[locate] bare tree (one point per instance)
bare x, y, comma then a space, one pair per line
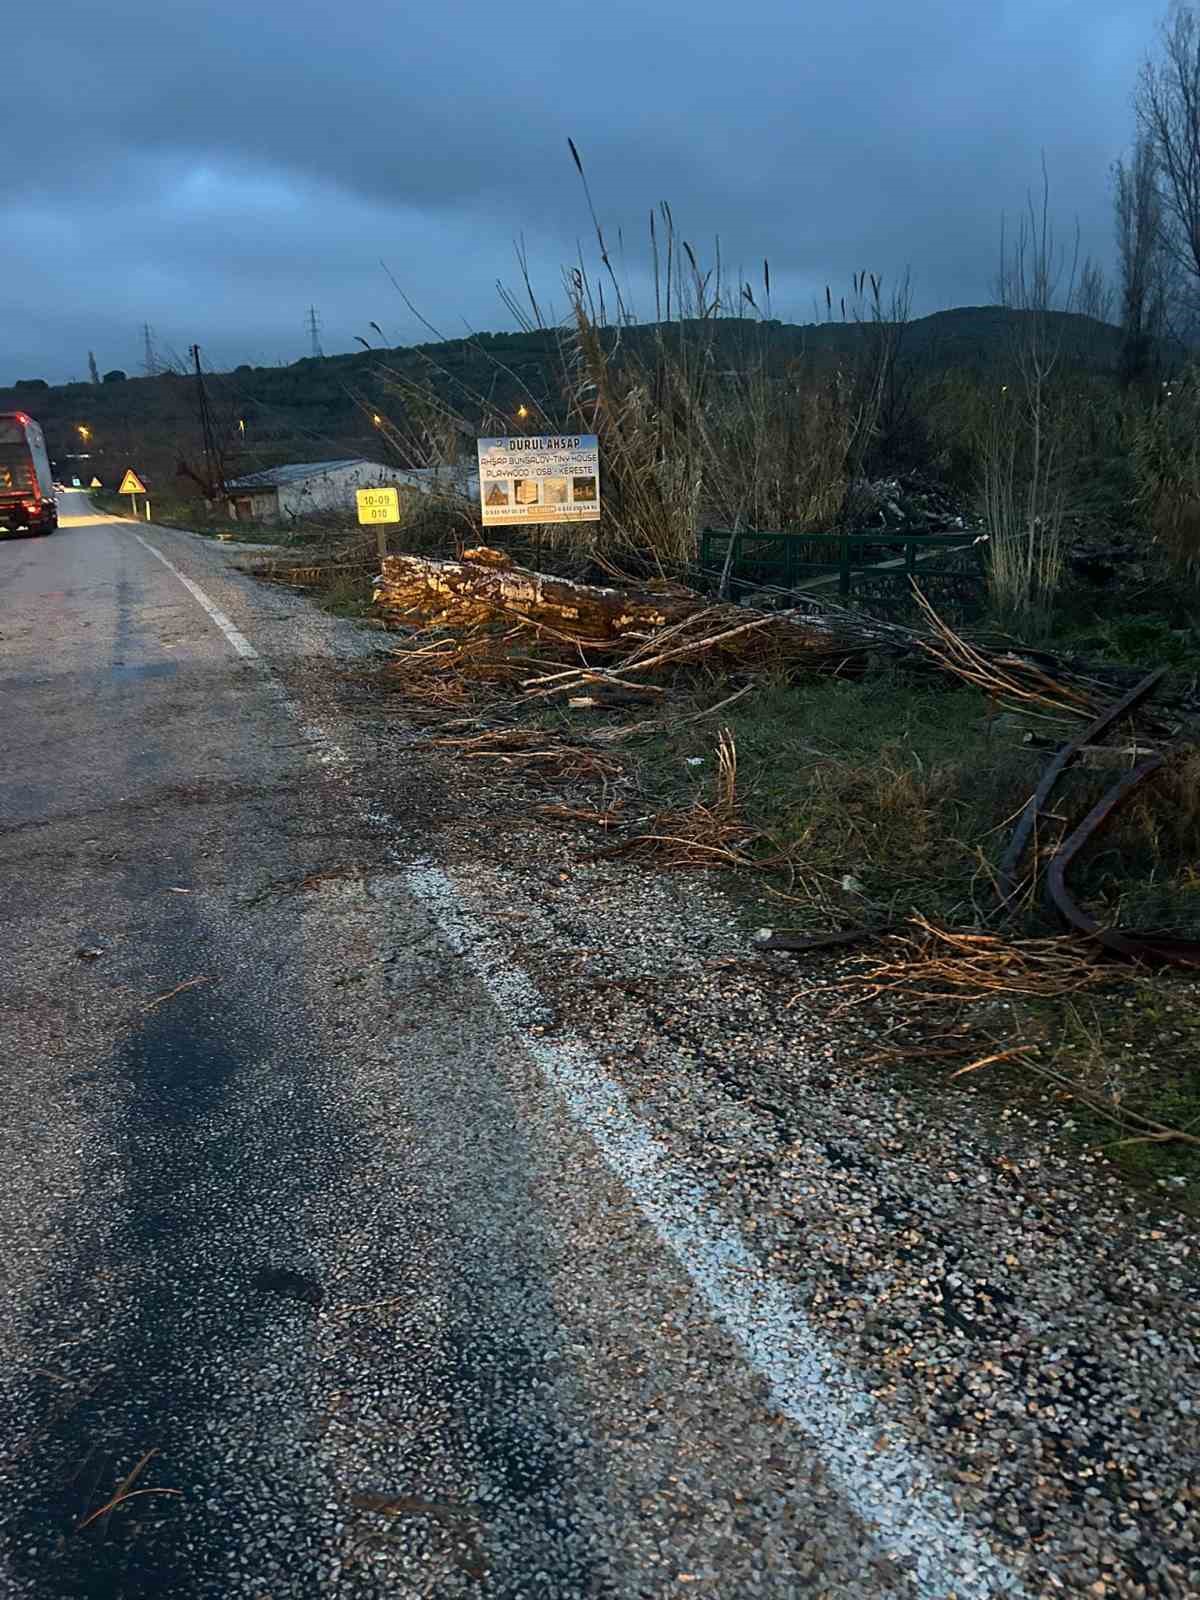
93, 369
1142, 264
1167, 105
1095, 296
1027, 466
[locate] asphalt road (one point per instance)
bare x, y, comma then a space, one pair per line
205, 1197
318, 1275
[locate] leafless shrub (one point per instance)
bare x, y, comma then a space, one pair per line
1027, 463
1146, 270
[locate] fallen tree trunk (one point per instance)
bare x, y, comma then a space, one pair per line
486, 584
636, 631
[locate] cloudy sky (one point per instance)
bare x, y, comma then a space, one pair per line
216, 168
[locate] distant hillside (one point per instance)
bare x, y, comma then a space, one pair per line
976, 338
320, 408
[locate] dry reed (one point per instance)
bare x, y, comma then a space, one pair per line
929, 966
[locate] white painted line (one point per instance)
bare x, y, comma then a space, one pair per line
236, 638
893, 1490
888, 1484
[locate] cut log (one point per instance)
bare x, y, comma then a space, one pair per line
666, 628
485, 585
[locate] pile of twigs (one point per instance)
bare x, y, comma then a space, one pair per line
312, 574
531, 750
707, 833
928, 966
722, 637
320, 562
444, 669
1023, 680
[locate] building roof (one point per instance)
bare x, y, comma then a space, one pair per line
273, 477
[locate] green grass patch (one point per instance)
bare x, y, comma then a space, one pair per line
1152, 624
893, 794
1149, 641
887, 794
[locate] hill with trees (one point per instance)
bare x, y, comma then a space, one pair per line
362, 402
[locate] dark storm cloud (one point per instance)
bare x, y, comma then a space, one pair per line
215, 168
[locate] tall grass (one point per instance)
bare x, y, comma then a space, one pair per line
646, 397
699, 421
702, 421
1166, 458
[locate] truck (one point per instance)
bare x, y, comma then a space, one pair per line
26, 484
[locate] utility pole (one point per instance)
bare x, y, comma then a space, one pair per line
314, 328
149, 359
214, 467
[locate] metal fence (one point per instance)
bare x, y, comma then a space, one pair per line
877, 566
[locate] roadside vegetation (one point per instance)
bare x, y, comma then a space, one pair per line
873, 791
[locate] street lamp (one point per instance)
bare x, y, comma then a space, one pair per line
84, 433
522, 412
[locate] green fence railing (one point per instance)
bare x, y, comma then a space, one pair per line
847, 561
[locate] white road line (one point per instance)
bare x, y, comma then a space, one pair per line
236, 638
889, 1485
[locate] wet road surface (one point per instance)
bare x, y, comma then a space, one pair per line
319, 1276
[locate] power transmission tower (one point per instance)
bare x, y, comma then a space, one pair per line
149, 359
214, 467
314, 329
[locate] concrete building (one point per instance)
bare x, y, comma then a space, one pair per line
307, 488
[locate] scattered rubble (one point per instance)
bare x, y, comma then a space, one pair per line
909, 502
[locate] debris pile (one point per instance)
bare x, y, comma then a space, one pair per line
483, 624
908, 502
485, 617
706, 833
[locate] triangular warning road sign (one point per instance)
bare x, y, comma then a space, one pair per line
131, 484
95, 484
